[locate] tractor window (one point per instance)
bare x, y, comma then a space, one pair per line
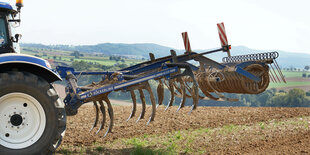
3, 33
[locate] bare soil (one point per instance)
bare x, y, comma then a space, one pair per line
280, 140
204, 117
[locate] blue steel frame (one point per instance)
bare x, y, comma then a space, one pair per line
159, 64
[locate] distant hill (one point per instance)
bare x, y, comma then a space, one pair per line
286, 59
138, 50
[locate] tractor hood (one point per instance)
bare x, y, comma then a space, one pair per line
7, 7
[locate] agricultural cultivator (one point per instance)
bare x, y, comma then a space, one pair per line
245, 74
33, 117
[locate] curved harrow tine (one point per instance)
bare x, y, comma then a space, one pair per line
142, 97
195, 96
160, 92
183, 92
152, 116
188, 88
102, 109
97, 116
111, 115
134, 105
172, 93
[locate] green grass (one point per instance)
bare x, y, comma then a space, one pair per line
147, 151
292, 74
99, 148
65, 151
65, 57
288, 84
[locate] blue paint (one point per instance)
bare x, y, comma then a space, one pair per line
7, 6
25, 59
116, 86
247, 74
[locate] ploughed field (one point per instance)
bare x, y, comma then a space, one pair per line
206, 130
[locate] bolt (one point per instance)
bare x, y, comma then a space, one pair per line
14, 112
12, 126
9, 122
7, 135
18, 127
25, 104
23, 123
20, 113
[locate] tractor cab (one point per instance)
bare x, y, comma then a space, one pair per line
9, 21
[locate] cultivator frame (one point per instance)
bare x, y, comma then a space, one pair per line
246, 74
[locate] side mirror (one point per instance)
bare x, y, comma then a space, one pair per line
16, 38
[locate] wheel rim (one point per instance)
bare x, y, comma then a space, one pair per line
22, 120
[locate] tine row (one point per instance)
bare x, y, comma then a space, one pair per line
103, 113
273, 73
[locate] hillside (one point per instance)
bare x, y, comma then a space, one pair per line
287, 59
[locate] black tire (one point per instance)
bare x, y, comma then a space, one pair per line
55, 116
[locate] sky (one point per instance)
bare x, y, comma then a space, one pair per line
258, 24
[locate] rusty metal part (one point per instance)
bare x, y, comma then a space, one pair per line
232, 82
183, 93
275, 73
195, 97
134, 105
160, 92
97, 115
111, 115
172, 93
279, 70
271, 77
102, 109
153, 102
142, 97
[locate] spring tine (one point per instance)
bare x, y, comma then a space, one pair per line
171, 88
142, 97
97, 116
183, 90
270, 77
102, 109
195, 96
134, 105
160, 92
275, 73
152, 116
274, 79
111, 115
279, 70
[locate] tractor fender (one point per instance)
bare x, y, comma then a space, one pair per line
27, 63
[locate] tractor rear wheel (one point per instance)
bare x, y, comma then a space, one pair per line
32, 117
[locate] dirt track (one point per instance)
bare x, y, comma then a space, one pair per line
204, 117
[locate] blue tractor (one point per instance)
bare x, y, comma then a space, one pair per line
32, 116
